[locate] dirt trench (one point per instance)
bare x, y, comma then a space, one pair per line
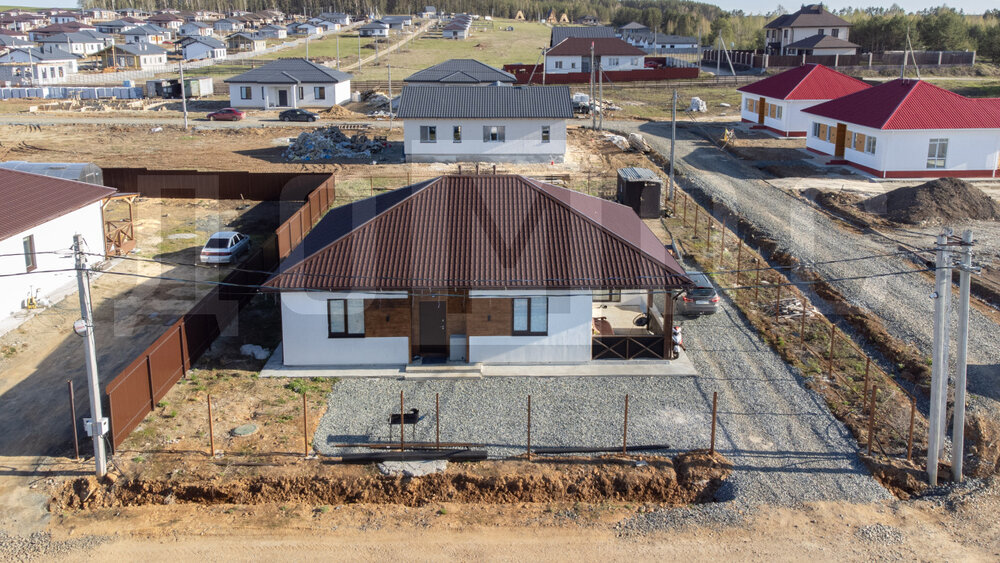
687, 478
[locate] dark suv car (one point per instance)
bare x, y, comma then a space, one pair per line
700, 300
297, 115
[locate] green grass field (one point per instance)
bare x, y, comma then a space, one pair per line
326, 47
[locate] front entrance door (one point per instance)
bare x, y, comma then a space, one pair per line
841, 140
433, 336
282, 98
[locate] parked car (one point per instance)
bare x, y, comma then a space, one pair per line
226, 114
700, 300
297, 115
224, 247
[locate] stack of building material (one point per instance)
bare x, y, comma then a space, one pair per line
75, 92
331, 142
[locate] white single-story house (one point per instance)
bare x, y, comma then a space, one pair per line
166, 21
196, 48
44, 214
459, 72
117, 26
336, 17
305, 28
66, 17
196, 29
659, 43
822, 45
428, 13
273, 31
909, 128
325, 25
289, 83
25, 66
74, 43
246, 41
397, 22
227, 25
489, 269
776, 102
610, 53
374, 29
485, 123
455, 30
147, 34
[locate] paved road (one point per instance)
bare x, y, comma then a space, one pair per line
811, 236
193, 121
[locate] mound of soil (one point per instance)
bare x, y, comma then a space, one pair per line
688, 478
341, 111
941, 200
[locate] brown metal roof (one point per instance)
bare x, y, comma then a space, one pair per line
28, 200
480, 232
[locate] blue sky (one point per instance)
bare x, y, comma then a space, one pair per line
765, 6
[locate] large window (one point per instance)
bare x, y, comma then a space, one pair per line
456, 134
428, 134
493, 134
346, 317
531, 316
30, 260
937, 153
245, 93
319, 92
870, 145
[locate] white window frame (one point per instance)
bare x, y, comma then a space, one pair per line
870, 144
456, 134
494, 133
319, 92
937, 153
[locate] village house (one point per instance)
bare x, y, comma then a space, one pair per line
812, 30
459, 72
81, 44
427, 13
9, 41
336, 17
195, 29
273, 31
305, 28
134, 56
150, 34
58, 28
374, 29
573, 55
117, 26
100, 14
655, 43
456, 30
227, 25
66, 17
397, 22
776, 103
196, 48
909, 128
485, 123
245, 42
325, 25
27, 66
559, 33
40, 215
488, 269
289, 83
166, 21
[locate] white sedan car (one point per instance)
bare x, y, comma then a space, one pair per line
223, 247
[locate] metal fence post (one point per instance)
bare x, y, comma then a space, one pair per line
909, 440
715, 404
739, 258
756, 282
211, 431
625, 428
833, 338
529, 427
72, 413
871, 419
777, 302
402, 445
305, 425
437, 421
802, 325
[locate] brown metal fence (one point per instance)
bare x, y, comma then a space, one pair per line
134, 392
256, 186
756, 59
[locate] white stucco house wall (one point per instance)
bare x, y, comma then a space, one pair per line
485, 123
49, 212
195, 29
374, 29
776, 103
289, 83
610, 53
889, 131
197, 48
33, 67
359, 291
806, 26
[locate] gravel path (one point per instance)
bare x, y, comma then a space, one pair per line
786, 446
900, 301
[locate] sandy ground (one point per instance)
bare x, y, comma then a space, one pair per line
129, 313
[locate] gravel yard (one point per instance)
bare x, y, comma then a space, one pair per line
786, 446
900, 301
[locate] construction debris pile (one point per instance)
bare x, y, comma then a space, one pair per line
698, 104
377, 101
634, 142
330, 142
794, 308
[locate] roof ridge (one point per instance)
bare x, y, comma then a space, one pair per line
576, 212
804, 78
902, 101
356, 228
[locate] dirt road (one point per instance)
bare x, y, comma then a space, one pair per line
804, 232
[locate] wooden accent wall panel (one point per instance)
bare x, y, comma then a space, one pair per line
456, 315
397, 311
490, 317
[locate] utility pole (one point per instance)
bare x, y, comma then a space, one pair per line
939, 362
965, 271
389, 68
359, 50
184, 103
307, 47
85, 327
338, 51
600, 90
593, 116
673, 141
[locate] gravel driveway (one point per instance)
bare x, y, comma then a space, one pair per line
786, 446
900, 301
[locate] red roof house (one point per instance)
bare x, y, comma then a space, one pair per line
776, 103
909, 128
573, 54
495, 268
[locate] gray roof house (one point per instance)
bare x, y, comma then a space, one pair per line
459, 71
374, 29
289, 83
562, 32
75, 43
195, 48
499, 123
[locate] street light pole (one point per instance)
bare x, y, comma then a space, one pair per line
958, 423
673, 141
85, 328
